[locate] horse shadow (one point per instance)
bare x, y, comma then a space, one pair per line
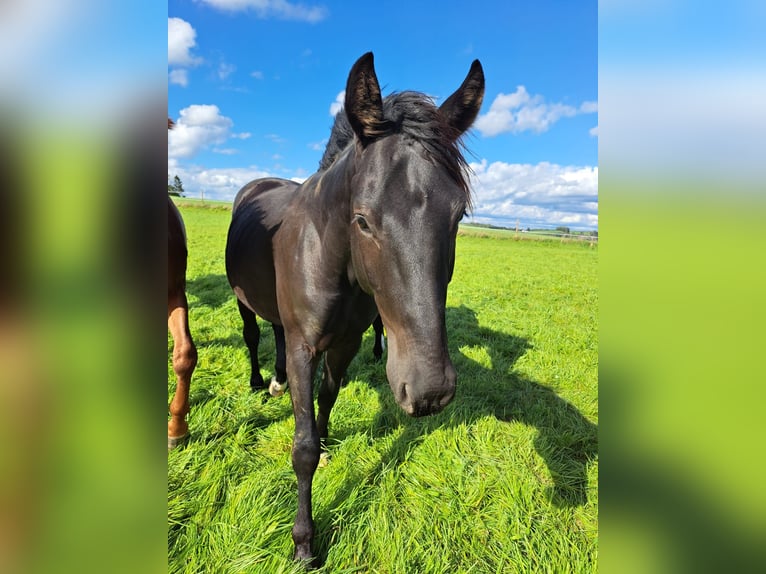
566, 440
698, 533
213, 291
209, 291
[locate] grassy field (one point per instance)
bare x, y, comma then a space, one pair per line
532, 235
504, 480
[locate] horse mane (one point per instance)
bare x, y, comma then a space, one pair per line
341, 135
414, 115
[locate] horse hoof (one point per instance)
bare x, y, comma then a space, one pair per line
257, 384
174, 441
305, 557
277, 389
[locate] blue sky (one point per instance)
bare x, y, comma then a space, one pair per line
688, 105
252, 85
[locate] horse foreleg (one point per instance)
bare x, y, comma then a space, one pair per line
184, 361
301, 365
336, 362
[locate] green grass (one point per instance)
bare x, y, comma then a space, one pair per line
533, 235
504, 480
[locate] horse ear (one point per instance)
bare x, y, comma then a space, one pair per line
363, 103
462, 107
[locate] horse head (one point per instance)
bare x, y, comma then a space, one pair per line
409, 191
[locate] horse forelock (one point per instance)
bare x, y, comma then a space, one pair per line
414, 115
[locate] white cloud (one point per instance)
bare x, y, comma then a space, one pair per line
225, 70
544, 194
179, 77
257, 74
337, 105
280, 9
593, 131
34, 28
520, 111
181, 39
198, 127
541, 195
217, 183
702, 122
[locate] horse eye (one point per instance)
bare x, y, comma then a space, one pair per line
362, 223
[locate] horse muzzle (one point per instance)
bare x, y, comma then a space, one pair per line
418, 396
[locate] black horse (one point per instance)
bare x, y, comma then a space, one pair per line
372, 232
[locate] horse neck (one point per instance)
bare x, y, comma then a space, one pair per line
330, 190
323, 204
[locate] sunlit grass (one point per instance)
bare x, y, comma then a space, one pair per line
504, 480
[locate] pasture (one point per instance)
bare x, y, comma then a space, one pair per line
505, 479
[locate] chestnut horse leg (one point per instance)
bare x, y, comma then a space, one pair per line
184, 361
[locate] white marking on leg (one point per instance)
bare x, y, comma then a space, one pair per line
277, 389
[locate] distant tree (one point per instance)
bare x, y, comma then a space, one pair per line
176, 188
563, 229
594, 233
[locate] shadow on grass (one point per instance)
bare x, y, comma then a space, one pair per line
566, 440
210, 291
213, 291
698, 528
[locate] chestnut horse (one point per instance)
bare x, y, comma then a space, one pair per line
184, 350
372, 232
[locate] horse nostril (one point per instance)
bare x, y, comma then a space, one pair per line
404, 391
